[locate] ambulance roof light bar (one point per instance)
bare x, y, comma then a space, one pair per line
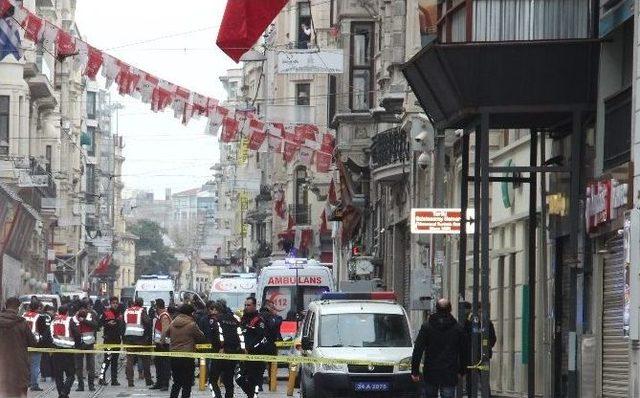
359, 296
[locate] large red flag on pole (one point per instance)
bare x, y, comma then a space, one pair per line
243, 23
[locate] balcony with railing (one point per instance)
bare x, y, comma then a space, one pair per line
390, 151
301, 214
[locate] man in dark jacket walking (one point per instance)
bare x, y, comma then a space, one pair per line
14, 358
441, 341
184, 334
113, 327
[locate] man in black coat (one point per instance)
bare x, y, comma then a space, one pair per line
112, 324
255, 337
441, 341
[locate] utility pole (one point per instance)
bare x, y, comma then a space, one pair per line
438, 188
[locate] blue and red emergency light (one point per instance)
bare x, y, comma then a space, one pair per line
358, 296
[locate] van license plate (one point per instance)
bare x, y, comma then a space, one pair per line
372, 386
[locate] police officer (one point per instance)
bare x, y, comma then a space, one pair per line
65, 335
40, 328
113, 327
273, 322
225, 334
255, 330
137, 332
161, 322
86, 321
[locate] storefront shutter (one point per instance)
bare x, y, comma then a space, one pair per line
615, 346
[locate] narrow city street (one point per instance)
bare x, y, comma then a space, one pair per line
140, 390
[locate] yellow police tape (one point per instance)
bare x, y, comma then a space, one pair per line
219, 356
279, 344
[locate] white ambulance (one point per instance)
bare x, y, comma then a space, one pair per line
152, 287
291, 284
234, 289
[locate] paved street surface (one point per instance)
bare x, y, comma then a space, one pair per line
141, 391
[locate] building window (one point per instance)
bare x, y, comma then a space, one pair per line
47, 156
233, 88
361, 68
91, 183
4, 124
303, 91
91, 149
305, 25
91, 104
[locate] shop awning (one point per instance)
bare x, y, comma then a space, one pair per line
521, 84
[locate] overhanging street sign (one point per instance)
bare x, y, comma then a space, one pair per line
440, 221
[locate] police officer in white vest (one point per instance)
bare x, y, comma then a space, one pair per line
65, 335
137, 332
86, 320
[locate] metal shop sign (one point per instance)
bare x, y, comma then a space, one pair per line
311, 62
440, 221
603, 201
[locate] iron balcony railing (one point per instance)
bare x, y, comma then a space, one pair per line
301, 214
388, 147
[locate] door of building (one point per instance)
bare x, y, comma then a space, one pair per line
615, 345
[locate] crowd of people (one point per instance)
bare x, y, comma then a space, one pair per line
146, 334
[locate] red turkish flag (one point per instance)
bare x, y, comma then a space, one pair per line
290, 149
94, 63
328, 143
244, 22
291, 224
257, 135
6, 8
323, 162
66, 45
33, 27
229, 129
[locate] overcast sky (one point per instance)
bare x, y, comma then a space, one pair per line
160, 152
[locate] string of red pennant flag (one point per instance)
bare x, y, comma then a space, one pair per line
305, 140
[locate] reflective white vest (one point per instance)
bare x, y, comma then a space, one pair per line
157, 328
61, 332
86, 332
32, 321
133, 320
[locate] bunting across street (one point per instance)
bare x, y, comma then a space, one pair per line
303, 142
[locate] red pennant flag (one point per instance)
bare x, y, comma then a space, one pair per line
332, 197
94, 62
162, 95
290, 149
291, 224
244, 22
323, 162
328, 143
33, 28
103, 265
257, 138
229, 129
66, 45
306, 132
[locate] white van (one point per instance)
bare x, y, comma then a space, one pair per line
360, 326
292, 284
234, 289
153, 287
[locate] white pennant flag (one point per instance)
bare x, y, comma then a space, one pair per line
20, 14
146, 85
49, 35
80, 60
110, 69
